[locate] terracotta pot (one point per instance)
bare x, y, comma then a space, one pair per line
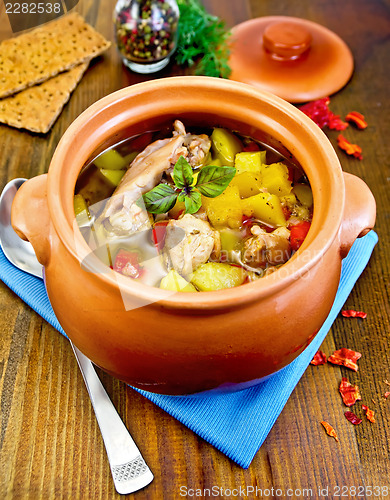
183, 343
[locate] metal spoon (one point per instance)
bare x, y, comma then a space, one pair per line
129, 470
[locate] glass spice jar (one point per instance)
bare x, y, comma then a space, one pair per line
146, 33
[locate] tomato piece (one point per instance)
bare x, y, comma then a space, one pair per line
158, 233
179, 214
127, 263
251, 146
139, 143
298, 234
286, 212
247, 221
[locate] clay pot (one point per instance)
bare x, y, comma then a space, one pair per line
185, 342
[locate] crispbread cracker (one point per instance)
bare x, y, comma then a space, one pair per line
37, 108
44, 52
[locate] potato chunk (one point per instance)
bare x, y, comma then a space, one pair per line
111, 160
265, 207
248, 184
176, 283
275, 179
80, 205
216, 276
225, 146
249, 161
113, 176
225, 209
177, 210
304, 194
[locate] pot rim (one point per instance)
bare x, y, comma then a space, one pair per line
327, 184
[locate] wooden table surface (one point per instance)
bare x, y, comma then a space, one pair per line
50, 444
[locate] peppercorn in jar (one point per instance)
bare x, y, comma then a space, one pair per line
146, 33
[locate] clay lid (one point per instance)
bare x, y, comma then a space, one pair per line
293, 58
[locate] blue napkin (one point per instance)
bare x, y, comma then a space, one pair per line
235, 423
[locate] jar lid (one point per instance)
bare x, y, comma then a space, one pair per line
294, 58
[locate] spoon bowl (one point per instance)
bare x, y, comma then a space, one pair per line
19, 252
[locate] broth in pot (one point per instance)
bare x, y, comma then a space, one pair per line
193, 211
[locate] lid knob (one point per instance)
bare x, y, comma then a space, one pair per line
286, 41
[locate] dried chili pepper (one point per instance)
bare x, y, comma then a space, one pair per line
356, 118
345, 357
335, 122
320, 113
349, 148
329, 430
350, 313
351, 417
369, 413
386, 394
350, 393
319, 358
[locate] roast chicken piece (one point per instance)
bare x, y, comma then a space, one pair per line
195, 147
262, 248
189, 242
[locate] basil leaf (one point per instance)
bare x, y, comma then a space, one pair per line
160, 199
212, 181
182, 195
182, 173
192, 201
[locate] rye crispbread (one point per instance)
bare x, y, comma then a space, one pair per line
36, 108
44, 52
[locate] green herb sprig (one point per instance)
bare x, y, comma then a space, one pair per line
202, 40
210, 182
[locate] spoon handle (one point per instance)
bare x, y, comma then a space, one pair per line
129, 470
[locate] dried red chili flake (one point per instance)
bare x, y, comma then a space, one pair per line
320, 113
336, 123
349, 148
351, 417
319, 358
329, 430
356, 118
350, 393
369, 414
386, 395
350, 313
345, 357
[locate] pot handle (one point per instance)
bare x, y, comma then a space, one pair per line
30, 216
359, 212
